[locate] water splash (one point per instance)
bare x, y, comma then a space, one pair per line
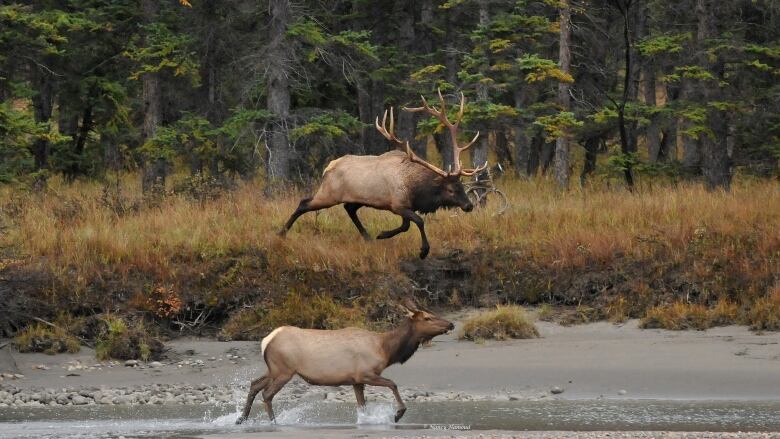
376, 414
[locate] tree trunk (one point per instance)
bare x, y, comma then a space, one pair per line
522, 142
75, 167
547, 155
591, 146
626, 144
716, 164
479, 152
42, 106
155, 169
278, 100
638, 28
562, 169
364, 113
502, 147
653, 130
535, 154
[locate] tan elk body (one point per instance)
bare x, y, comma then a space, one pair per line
396, 181
350, 356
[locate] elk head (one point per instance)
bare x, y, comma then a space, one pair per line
424, 323
450, 190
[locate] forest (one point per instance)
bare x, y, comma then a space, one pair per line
621, 90
150, 151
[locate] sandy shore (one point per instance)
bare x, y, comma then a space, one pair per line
592, 361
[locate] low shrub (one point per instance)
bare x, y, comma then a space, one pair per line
764, 315
122, 341
318, 312
680, 315
504, 322
39, 337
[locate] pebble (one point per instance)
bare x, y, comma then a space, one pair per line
556, 390
131, 363
155, 364
622, 392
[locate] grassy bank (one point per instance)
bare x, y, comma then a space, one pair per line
192, 261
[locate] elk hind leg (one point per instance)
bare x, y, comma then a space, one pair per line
306, 205
271, 390
254, 388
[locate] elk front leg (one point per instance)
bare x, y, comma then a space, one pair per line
352, 209
410, 215
359, 395
390, 233
381, 381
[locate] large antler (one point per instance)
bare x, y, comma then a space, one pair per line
390, 135
453, 128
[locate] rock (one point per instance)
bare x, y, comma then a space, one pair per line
131, 363
79, 400
18, 376
622, 392
155, 364
41, 367
556, 390
515, 397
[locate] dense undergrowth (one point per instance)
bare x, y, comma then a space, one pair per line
677, 257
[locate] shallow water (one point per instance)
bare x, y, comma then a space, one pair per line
188, 421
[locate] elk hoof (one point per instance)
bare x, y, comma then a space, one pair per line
240, 420
424, 252
281, 233
400, 413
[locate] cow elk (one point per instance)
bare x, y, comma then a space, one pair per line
396, 181
350, 356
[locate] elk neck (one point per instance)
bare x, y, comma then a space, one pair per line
426, 192
401, 343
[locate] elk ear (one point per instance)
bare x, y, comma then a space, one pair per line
410, 305
407, 312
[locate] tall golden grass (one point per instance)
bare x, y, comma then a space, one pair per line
71, 229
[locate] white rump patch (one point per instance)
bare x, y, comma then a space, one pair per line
267, 339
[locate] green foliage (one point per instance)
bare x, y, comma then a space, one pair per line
558, 125
663, 44
163, 50
328, 126
17, 131
541, 69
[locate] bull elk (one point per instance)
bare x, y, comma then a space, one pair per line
396, 181
341, 357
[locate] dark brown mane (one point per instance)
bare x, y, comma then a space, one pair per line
400, 343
